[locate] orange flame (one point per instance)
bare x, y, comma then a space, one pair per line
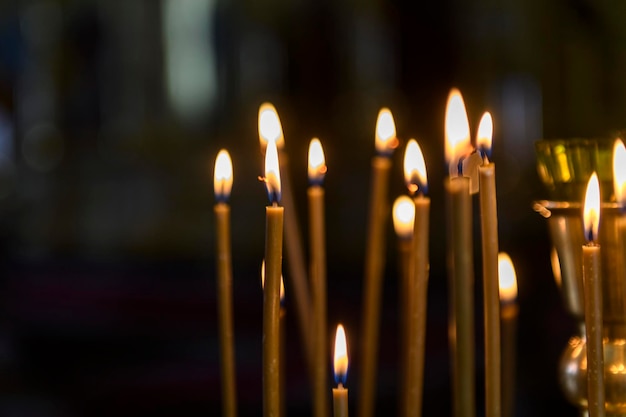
386, 140
457, 131
507, 278
223, 175
591, 212
341, 355
403, 217
317, 162
484, 138
619, 172
415, 168
272, 172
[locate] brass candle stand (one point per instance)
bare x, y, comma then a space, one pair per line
564, 166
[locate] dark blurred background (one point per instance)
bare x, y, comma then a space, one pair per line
112, 112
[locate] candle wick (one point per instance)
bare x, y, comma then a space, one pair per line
459, 166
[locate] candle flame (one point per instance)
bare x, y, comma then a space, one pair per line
591, 212
415, 168
507, 278
270, 128
619, 172
282, 284
386, 140
457, 129
317, 162
485, 133
223, 176
272, 172
403, 217
341, 356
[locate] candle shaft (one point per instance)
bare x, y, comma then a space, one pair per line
295, 262
405, 265
593, 326
283, 360
318, 291
461, 274
340, 401
417, 309
509, 313
225, 309
271, 311
491, 297
374, 266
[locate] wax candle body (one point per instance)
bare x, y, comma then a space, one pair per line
417, 309
295, 261
225, 309
318, 292
461, 274
282, 326
374, 265
405, 264
340, 401
593, 326
508, 335
271, 311
491, 298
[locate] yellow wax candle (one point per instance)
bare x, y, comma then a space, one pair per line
416, 180
616, 299
508, 314
270, 129
271, 294
403, 218
375, 259
489, 232
340, 394
461, 265
223, 180
317, 170
593, 300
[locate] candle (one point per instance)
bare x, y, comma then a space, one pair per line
619, 184
386, 141
271, 295
340, 394
222, 183
508, 314
461, 265
593, 299
317, 170
403, 218
416, 181
282, 329
489, 233
270, 129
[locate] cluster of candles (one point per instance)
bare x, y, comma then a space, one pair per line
470, 172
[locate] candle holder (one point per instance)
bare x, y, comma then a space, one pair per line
565, 166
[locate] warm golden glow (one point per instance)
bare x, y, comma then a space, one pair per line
282, 284
272, 172
386, 140
403, 217
591, 212
556, 267
270, 128
619, 172
341, 355
485, 133
317, 162
507, 278
223, 175
414, 168
457, 129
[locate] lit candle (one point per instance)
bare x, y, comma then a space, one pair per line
417, 183
222, 183
317, 170
386, 141
403, 218
270, 129
461, 264
489, 232
593, 299
271, 294
340, 394
619, 184
508, 314
282, 329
